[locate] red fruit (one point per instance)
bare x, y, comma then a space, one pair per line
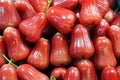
72, 74
39, 5
16, 47
2, 51
116, 20
28, 72
59, 52
87, 70
89, 13
62, 19
114, 36
8, 72
39, 56
109, 73
101, 29
81, 44
69, 4
32, 27
8, 14
24, 8
118, 71
109, 15
104, 55
103, 6
59, 72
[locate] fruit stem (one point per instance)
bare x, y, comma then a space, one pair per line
49, 3
9, 61
57, 33
52, 78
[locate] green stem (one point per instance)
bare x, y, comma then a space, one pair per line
49, 3
9, 61
52, 78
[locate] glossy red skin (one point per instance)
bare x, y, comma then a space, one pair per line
59, 51
39, 56
32, 27
17, 49
39, 5
69, 4
103, 6
9, 15
24, 8
109, 15
101, 29
28, 72
109, 73
116, 20
87, 70
61, 18
59, 72
114, 36
81, 45
104, 55
72, 73
118, 71
89, 13
8, 72
2, 51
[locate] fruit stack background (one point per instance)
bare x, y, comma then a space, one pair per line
59, 40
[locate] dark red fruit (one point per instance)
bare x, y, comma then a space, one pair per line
59, 51
81, 45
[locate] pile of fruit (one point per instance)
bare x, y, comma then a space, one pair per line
59, 40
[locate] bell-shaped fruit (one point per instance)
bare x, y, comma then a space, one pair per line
8, 14
61, 18
17, 49
59, 51
90, 13
101, 29
39, 56
72, 73
104, 55
109, 73
109, 16
114, 36
81, 45
24, 8
87, 70
28, 72
8, 72
32, 27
